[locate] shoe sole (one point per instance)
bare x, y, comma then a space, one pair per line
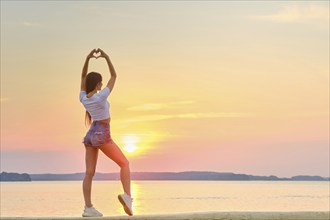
126, 208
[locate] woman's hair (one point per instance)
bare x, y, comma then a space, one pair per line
92, 79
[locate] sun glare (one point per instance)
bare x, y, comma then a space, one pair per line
130, 148
130, 143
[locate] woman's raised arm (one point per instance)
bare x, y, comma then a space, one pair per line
112, 80
85, 70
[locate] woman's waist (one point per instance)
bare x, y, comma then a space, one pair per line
103, 121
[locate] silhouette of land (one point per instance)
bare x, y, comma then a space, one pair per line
13, 177
190, 175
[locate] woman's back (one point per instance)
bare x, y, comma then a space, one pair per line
97, 105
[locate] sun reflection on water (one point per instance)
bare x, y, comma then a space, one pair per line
135, 190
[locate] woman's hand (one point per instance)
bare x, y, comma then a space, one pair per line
102, 53
92, 54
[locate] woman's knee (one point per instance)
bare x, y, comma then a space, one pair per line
124, 163
90, 173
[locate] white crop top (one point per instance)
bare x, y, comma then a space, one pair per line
97, 105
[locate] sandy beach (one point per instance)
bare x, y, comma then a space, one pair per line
207, 215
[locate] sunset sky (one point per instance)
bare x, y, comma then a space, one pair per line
220, 86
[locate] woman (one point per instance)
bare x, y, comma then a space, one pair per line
98, 136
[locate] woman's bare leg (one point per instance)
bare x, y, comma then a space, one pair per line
91, 159
112, 151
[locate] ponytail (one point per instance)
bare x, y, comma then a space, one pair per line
88, 119
92, 79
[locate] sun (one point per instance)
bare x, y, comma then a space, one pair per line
130, 147
130, 143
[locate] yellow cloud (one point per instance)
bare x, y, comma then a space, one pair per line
159, 117
146, 118
4, 99
159, 106
30, 24
215, 115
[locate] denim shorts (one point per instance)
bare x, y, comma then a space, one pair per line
97, 135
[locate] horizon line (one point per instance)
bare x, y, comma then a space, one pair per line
167, 172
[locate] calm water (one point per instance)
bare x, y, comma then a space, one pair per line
64, 198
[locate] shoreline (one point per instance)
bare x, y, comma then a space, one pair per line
306, 215
159, 176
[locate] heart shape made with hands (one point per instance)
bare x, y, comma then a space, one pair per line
97, 54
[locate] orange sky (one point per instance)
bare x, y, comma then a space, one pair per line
219, 86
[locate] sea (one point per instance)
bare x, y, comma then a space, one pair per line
65, 198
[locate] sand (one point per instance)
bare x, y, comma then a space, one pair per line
205, 215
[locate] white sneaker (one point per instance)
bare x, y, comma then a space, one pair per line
126, 201
91, 212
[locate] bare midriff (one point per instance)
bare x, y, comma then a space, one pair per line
105, 121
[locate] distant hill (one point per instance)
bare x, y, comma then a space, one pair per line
13, 177
304, 178
191, 175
